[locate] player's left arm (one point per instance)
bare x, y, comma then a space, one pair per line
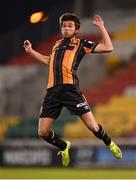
105, 45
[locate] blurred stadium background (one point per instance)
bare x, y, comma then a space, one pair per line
107, 80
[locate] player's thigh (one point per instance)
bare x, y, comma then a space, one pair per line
45, 125
75, 101
89, 120
51, 106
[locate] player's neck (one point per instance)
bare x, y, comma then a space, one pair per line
69, 38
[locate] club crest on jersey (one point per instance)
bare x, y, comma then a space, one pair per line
73, 43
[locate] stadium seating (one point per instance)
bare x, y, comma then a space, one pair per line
113, 109
112, 86
5, 124
118, 115
23, 129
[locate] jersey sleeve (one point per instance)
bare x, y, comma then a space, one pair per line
89, 46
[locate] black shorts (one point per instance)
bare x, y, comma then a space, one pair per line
68, 96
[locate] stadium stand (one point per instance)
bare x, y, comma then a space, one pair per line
113, 107
6, 123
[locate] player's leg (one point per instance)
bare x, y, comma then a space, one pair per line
76, 103
46, 133
100, 133
96, 128
50, 110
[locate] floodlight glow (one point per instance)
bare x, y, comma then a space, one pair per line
37, 17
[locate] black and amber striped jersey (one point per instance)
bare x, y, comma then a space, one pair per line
65, 58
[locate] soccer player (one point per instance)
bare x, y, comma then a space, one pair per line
63, 87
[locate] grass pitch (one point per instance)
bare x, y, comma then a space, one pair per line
65, 173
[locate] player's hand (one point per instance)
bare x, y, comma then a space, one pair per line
97, 20
28, 46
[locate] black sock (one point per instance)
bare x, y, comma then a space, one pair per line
53, 139
101, 134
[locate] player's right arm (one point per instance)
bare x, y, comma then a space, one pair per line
40, 57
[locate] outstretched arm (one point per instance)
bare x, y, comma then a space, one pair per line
42, 58
105, 45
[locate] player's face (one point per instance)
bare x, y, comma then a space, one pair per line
68, 29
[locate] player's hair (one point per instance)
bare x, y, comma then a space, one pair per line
70, 17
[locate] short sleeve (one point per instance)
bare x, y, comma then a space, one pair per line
89, 46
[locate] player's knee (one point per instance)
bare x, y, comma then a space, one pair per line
98, 131
43, 133
95, 129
